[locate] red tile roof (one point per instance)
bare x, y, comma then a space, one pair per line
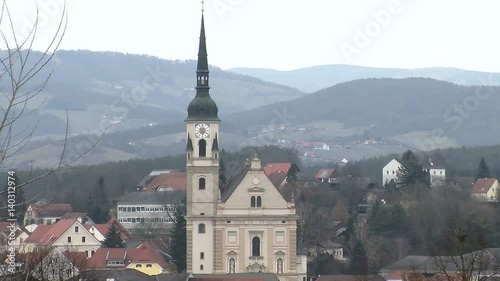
4, 227
325, 173
145, 253
104, 228
48, 234
51, 210
74, 215
483, 185
171, 181
271, 168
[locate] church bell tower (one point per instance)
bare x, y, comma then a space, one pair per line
202, 169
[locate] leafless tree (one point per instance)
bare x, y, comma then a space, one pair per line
461, 252
24, 73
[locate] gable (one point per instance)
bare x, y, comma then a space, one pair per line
255, 183
76, 237
392, 164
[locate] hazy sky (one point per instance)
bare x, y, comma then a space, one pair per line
283, 34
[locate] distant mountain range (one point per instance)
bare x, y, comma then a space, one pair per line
141, 101
120, 91
315, 78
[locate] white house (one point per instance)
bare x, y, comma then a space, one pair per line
390, 171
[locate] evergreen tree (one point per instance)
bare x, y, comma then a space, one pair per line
483, 171
291, 176
178, 238
359, 260
113, 238
410, 172
98, 203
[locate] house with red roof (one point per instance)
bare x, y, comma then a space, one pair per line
173, 181
65, 235
54, 264
327, 175
100, 230
46, 213
143, 258
486, 189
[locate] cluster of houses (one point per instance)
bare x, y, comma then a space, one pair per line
59, 244
483, 189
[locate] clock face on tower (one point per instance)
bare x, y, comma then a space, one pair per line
202, 131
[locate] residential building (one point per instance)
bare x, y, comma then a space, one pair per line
486, 189
390, 171
54, 264
143, 258
327, 175
247, 228
84, 218
150, 177
46, 213
66, 235
174, 181
437, 173
151, 209
100, 230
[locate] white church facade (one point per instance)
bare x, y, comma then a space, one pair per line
248, 226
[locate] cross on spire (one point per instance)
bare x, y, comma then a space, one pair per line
202, 6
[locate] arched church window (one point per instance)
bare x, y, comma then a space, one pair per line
252, 201
201, 183
279, 266
259, 201
256, 247
202, 148
232, 265
201, 228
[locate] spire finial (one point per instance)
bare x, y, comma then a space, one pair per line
202, 6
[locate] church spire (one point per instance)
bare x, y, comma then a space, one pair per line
202, 107
202, 51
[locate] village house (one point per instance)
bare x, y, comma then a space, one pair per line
327, 175
390, 171
173, 181
66, 235
437, 173
46, 213
144, 258
150, 177
486, 189
100, 230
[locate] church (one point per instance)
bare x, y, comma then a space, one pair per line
248, 228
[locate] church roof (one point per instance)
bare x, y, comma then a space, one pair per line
215, 146
235, 183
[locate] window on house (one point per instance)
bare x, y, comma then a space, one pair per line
189, 156
143, 209
215, 156
83, 239
252, 201
256, 247
434, 172
387, 172
92, 253
201, 228
76, 229
201, 183
259, 201
440, 172
138, 265
393, 172
149, 265
202, 255
202, 148
69, 239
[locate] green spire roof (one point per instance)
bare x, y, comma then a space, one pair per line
215, 145
202, 107
189, 144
